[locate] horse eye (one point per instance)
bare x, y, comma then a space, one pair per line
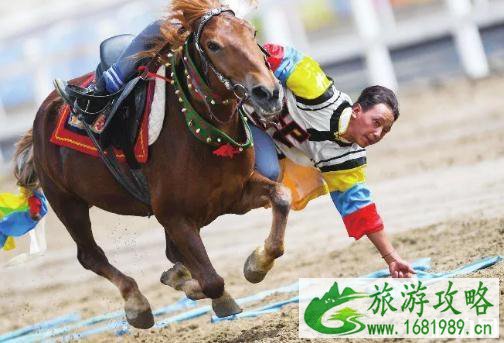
212, 46
255, 33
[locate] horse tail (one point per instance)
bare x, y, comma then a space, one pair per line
24, 169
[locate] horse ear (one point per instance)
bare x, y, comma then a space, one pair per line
179, 21
173, 31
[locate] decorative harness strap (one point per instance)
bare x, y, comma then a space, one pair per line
203, 130
202, 90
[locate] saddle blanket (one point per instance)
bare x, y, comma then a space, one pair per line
69, 131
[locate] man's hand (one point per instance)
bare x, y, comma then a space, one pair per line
397, 267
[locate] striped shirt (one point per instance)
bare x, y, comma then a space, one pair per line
309, 131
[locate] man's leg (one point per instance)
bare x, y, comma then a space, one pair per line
266, 158
122, 70
126, 65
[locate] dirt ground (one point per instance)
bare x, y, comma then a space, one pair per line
437, 179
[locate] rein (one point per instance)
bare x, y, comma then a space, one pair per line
203, 130
201, 88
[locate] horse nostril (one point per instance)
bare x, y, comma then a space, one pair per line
261, 92
276, 93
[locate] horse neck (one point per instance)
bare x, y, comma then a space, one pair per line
227, 118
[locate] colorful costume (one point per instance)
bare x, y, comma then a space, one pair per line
309, 132
17, 213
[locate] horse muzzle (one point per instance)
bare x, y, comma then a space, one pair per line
267, 102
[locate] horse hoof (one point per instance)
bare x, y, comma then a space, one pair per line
225, 306
176, 276
142, 320
139, 313
255, 271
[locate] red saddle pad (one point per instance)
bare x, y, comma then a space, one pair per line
70, 133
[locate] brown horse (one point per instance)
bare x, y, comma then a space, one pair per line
189, 185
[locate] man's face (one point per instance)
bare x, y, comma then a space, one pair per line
369, 127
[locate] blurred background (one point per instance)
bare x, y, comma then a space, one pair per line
397, 43
437, 179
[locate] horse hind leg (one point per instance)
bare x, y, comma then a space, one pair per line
262, 192
74, 214
193, 272
178, 276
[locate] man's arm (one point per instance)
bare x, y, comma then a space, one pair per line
397, 266
352, 198
361, 218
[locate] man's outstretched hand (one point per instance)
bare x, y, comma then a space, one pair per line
398, 267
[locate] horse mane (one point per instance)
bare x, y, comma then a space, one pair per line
177, 25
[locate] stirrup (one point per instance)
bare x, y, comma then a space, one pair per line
83, 101
71, 92
60, 86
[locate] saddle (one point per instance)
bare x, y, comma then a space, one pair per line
122, 113
122, 110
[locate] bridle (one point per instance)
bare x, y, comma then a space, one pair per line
237, 88
198, 81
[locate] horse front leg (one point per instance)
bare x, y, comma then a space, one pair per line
193, 272
262, 192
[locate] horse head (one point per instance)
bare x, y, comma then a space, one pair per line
229, 56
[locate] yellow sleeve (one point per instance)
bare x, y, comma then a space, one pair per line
308, 80
342, 180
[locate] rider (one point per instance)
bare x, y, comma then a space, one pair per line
319, 126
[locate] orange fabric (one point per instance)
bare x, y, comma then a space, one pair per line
305, 183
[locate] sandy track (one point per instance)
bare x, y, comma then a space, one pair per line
438, 181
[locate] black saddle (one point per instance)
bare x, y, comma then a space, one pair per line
123, 111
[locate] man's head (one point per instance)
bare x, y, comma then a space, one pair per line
373, 115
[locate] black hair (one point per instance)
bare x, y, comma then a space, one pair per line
375, 95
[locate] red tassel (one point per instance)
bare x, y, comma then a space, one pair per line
226, 150
151, 75
34, 205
